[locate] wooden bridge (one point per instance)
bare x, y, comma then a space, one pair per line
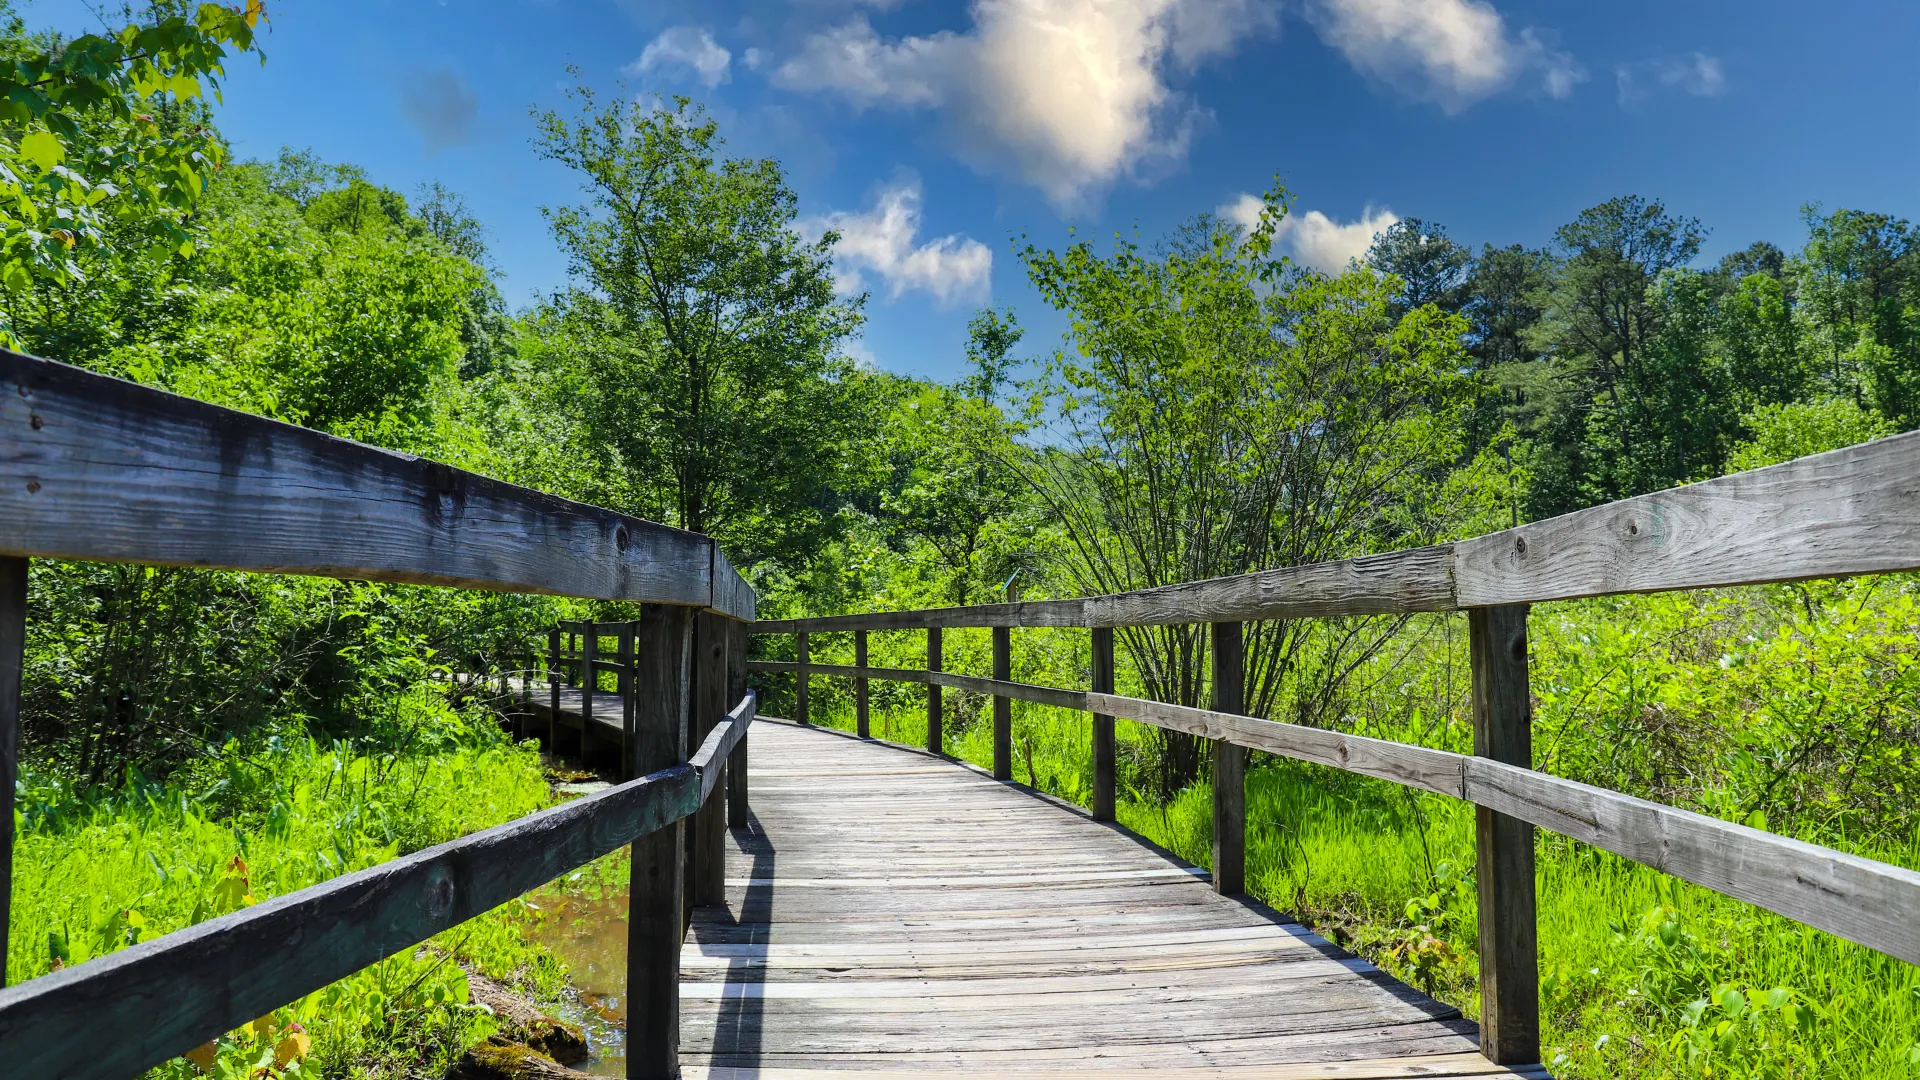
876, 909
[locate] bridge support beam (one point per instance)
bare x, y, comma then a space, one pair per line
1104, 781
800, 679
663, 649
738, 812
1509, 950
1002, 705
709, 706
934, 719
1229, 765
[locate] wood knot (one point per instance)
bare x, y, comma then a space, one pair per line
620, 539
1520, 546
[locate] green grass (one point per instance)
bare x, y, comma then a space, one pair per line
95, 874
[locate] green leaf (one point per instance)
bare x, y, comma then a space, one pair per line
42, 148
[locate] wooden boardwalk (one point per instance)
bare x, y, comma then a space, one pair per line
894, 912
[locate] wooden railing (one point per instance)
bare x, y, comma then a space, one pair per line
95, 468
1851, 511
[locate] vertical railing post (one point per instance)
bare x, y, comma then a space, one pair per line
13, 647
625, 681
1229, 765
738, 810
860, 684
654, 926
709, 706
1509, 950
589, 681
553, 693
800, 679
934, 719
1104, 781
1002, 705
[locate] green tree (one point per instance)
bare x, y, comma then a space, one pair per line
709, 328
1431, 267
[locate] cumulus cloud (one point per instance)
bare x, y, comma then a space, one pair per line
1313, 238
688, 50
882, 241
441, 107
1694, 73
1451, 52
1068, 95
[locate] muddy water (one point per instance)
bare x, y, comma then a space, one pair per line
590, 934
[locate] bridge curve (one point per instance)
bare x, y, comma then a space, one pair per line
891, 911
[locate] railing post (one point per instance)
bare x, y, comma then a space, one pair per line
1229, 765
1503, 731
624, 680
800, 679
553, 693
589, 680
738, 811
13, 644
654, 924
1104, 781
934, 719
709, 706
1002, 705
860, 684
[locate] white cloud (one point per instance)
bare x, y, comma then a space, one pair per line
1452, 52
881, 241
1313, 238
1068, 95
688, 49
1695, 73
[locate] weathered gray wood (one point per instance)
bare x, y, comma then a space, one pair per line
732, 596
589, 680
1045, 695
935, 715
626, 687
97, 468
663, 661
175, 992
1002, 704
1867, 902
1104, 779
13, 642
1509, 950
1399, 581
710, 704
739, 809
711, 761
1228, 661
801, 670
1850, 511
860, 725
553, 691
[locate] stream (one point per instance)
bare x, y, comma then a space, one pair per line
589, 933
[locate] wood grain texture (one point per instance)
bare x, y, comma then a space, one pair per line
1002, 704
100, 469
663, 662
1227, 660
861, 717
801, 669
1509, 949
732, 596
13, 643
739, 806
177, 991
1105, 779
1850, 511
936, 714
880, 917
709, 824
713, 757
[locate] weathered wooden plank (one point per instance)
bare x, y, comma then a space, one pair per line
732, 596
1399, 581
1849, 511
101, 469
175, 992
936, 716
1002, 704
663, 661
710, 707
1503, 731
1438, 1066
13, 642
710, 761
1104, 778
1228, 663
801, 670
1867, 902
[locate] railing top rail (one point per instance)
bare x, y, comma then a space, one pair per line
1849, 511
100, 469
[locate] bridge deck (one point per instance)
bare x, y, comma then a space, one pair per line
894, 912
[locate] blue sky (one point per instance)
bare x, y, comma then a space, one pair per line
935, 134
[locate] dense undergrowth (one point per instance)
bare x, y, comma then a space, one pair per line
97, 870
1794, 708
